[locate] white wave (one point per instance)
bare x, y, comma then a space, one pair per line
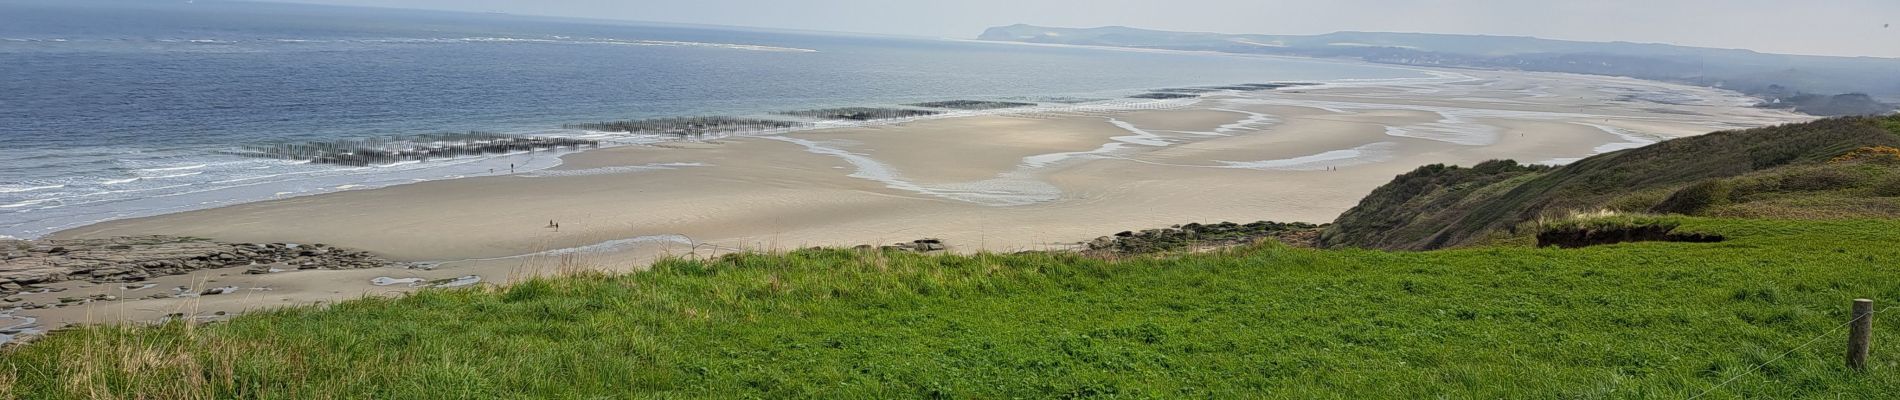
504, 39
25, 203
726, 46
196, 173
194, 41
606, 41
177, 168
23, 189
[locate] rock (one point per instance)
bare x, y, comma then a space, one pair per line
139, 258
920, 245
928, 245
12, 299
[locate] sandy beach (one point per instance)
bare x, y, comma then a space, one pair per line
993, 182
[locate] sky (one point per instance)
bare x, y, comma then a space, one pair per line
1819, 27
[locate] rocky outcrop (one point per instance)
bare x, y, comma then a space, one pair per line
924, 245
1196, 235
24, 265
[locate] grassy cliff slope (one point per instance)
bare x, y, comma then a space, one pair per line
1441, 206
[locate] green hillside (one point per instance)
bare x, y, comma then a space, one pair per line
1647, 320
1439, 206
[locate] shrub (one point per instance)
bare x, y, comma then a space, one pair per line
1814, 180
1741, 189
1878, 153
1696, 198
1888, 188
1892, 123
1637, 202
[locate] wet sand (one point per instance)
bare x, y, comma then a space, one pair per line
996, 182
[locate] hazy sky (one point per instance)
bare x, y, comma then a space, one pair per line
1830, 27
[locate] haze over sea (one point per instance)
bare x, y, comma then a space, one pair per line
124, 109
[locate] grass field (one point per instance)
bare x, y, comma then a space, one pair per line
1642, 320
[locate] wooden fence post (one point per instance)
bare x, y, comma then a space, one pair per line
1860, 334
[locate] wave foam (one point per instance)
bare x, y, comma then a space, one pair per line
23, 189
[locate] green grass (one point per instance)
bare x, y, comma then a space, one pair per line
1612, 221
1644, 320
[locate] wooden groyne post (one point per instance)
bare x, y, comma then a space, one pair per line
1860, 334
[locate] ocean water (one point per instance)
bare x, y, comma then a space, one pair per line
119, 109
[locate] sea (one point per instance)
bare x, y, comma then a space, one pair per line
130, 108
